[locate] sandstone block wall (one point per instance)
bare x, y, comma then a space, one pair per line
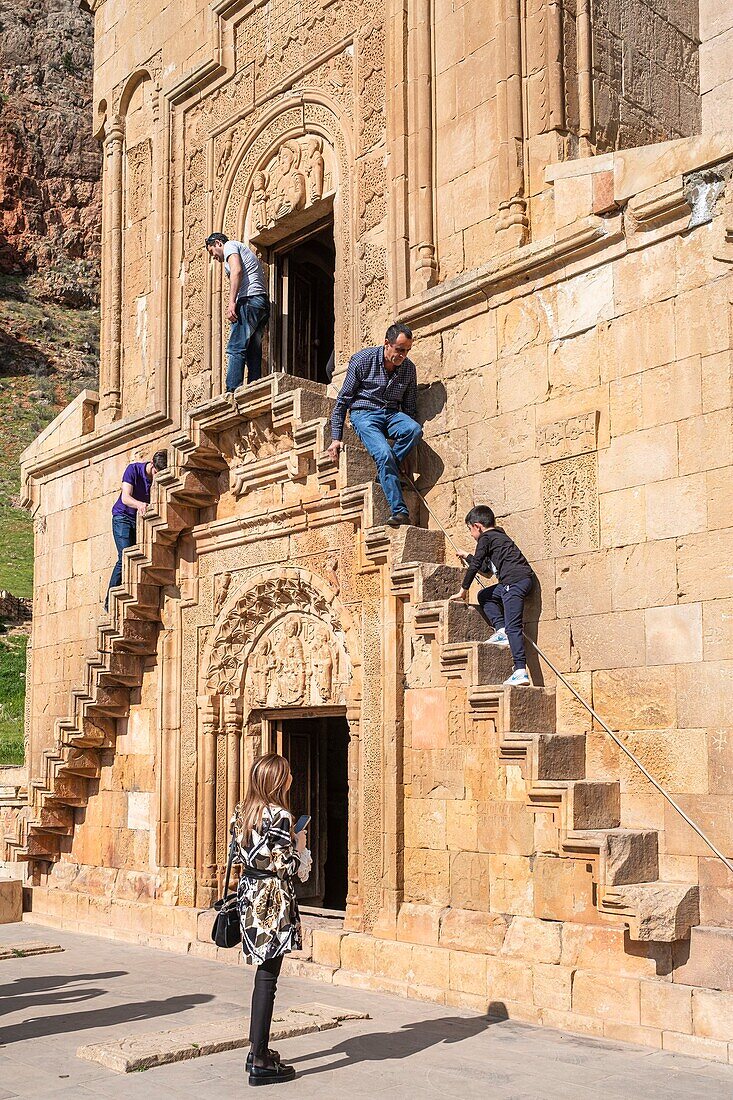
716, 35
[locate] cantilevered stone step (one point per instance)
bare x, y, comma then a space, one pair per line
593, 804
558, 756
493, 664
464, 623
627, 855
661, 912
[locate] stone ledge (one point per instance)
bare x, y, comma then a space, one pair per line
28, 947
140, 1052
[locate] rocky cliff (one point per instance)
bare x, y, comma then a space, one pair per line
49, 162
50, 213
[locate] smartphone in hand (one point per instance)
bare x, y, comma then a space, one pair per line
302, 823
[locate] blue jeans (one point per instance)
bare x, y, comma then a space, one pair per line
503, 606
124, 533
245, 340
374, 428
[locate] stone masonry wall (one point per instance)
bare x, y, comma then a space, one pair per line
716, 35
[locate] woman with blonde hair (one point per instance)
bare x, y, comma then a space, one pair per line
271, 855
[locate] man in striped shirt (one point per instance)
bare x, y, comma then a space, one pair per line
380, 394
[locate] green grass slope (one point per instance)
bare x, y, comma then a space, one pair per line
12, 697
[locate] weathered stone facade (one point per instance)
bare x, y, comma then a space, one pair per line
571, 296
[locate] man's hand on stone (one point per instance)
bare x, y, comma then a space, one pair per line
141, 507
333, 450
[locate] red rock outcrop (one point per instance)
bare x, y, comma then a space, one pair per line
50, 164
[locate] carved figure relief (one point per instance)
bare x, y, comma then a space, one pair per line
221, 588
294, 179
290, 665
296, 663
277, 662
261, 664
322, 666
260, 440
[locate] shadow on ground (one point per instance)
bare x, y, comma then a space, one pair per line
408, 1040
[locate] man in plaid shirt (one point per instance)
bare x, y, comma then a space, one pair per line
380, 394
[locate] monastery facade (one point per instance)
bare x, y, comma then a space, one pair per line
543, 191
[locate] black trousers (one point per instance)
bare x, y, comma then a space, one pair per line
503, 606
263, 1002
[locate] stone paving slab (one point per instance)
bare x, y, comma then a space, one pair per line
21, 950
99, 991
140, 1052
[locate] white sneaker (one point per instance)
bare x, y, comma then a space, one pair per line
518, 678
499, 638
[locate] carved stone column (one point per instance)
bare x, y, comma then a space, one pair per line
585, 75
513, 225
232, 724
393, 694
111, 387
208, 714
420, 111
354, 909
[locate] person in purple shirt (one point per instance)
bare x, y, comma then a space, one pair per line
134, 499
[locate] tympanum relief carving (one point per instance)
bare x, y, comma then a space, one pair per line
294, 179
296, 663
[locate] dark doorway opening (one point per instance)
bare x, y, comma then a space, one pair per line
304, 303
318, 750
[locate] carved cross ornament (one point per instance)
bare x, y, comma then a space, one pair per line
293, 180
283, 644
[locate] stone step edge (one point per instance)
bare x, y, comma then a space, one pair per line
27, 948
140, 1052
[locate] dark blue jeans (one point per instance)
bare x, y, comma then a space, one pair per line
245, 340
503, 606
375, 428
124, 533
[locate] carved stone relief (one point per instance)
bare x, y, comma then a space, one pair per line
297, 662
570, 505
301, 615
258, 439
293, 180
575, 436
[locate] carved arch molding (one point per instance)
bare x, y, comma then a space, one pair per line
281, 642
298, 158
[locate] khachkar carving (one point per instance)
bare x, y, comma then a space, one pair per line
293, 181
569, 484
283, 644
295, 663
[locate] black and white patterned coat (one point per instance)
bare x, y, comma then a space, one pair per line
268, 910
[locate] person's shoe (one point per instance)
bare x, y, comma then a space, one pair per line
275, 1074
399, 519
518, 678
274, 1054
499, 638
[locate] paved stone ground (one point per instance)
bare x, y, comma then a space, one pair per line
96, 989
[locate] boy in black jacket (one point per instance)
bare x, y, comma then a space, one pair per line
502, 604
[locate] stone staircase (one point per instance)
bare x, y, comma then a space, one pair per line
578, 817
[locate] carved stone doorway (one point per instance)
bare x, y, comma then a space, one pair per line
318, 748
303, 269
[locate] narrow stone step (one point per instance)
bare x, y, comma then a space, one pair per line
559, 756
658, 912
139, 1052
594, 805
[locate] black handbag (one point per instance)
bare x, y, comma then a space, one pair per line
226, 931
